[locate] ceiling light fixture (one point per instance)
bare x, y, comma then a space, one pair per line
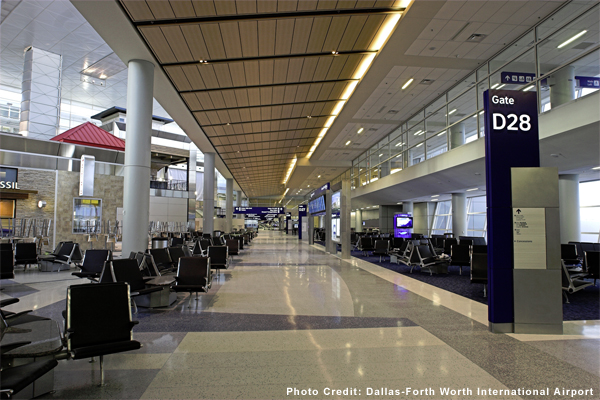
452, 112
419, 131
338, 108
471, 190
528, 88
501, 86
596, 168
360, 130
349, 89
407, 83
329, 121
348, 142
290, 170
495, 85
395, 170
436, 195
364, 65
441, 133
419, 145
319, 176
563, 44
385, 33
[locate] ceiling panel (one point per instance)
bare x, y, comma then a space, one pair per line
261, 77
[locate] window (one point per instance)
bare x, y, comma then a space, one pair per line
442, 219
589, 203
7, 208
477, 216
87, 215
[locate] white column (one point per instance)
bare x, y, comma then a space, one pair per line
358, 220
208, 222
459, 214
228, 205
568, 200
345, 216
136, 185
407, 207
238, 202
562, 86
191, 172
457, 135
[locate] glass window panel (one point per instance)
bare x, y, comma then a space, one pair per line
476, 233
590, 219
468, 82
443, 207
415, 119
396, 164
566, 13
384, 153
461, 131
588, 66
374, 174
436, 122
462, 106
476, 221
396, 133
416, 154
398, 145
374, 149
523, 64
516, 48
384, 168
416, 134
589, 193
569, 42
589, 237
437, 145
440, 222
375, 159
481, 118
482, 72
436, 105
481, 87
87, 214
383, 142
477, 205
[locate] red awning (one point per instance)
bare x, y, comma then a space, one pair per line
88, 134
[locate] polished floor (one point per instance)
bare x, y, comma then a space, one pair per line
290, 321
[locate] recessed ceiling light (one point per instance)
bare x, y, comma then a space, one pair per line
452, 112
596, 168
563, 44
407, 83
495, 85
348, 142
528, 88
436, 195
319, 176
501, 86
360, 130
471, 190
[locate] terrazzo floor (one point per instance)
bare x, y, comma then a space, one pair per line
288, 320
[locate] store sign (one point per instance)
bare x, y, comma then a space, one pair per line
86, 175
8, 178
592, 82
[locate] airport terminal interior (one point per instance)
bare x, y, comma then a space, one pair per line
270, 199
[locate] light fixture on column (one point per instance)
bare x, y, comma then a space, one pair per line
41, 204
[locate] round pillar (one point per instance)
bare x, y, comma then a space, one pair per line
459, 214
136, 185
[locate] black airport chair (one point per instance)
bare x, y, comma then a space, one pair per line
17, 318
176, 241
592, 261
127, 271
479, 249
448, 245
98, 321
427, 261
479, 270
460, 255
571, 283
232, 247
197, 250
162, 259
26, 254
204, 245
176, 253
193, 275
15, 379
93, 263
7, 266
568, 255
381, 249
219, 257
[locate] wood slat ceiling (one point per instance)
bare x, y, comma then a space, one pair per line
260, 76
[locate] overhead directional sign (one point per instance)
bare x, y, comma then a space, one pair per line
258, 210
588, 82
516, 77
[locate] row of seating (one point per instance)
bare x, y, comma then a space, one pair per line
580, 264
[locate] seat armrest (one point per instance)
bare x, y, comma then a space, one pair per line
8, 302
15, 315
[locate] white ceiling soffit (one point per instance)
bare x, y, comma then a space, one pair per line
109, 20
432, 42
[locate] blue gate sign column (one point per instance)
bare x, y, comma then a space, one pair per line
511, 140
301, 213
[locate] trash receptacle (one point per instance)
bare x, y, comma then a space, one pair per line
160, 243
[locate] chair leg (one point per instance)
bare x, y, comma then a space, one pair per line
485, 290
135, 309
191, 297
102, 371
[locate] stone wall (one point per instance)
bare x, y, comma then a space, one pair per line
44, 183
109, 188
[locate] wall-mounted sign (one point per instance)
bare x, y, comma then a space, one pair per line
516, 77
592, 82
86, 175
529, 238
320, 190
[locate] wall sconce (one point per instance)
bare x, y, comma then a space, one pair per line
41, 204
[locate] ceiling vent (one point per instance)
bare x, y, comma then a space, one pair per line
393, 111
426, 82
583, 45
476, 38
380, 110
372, 129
